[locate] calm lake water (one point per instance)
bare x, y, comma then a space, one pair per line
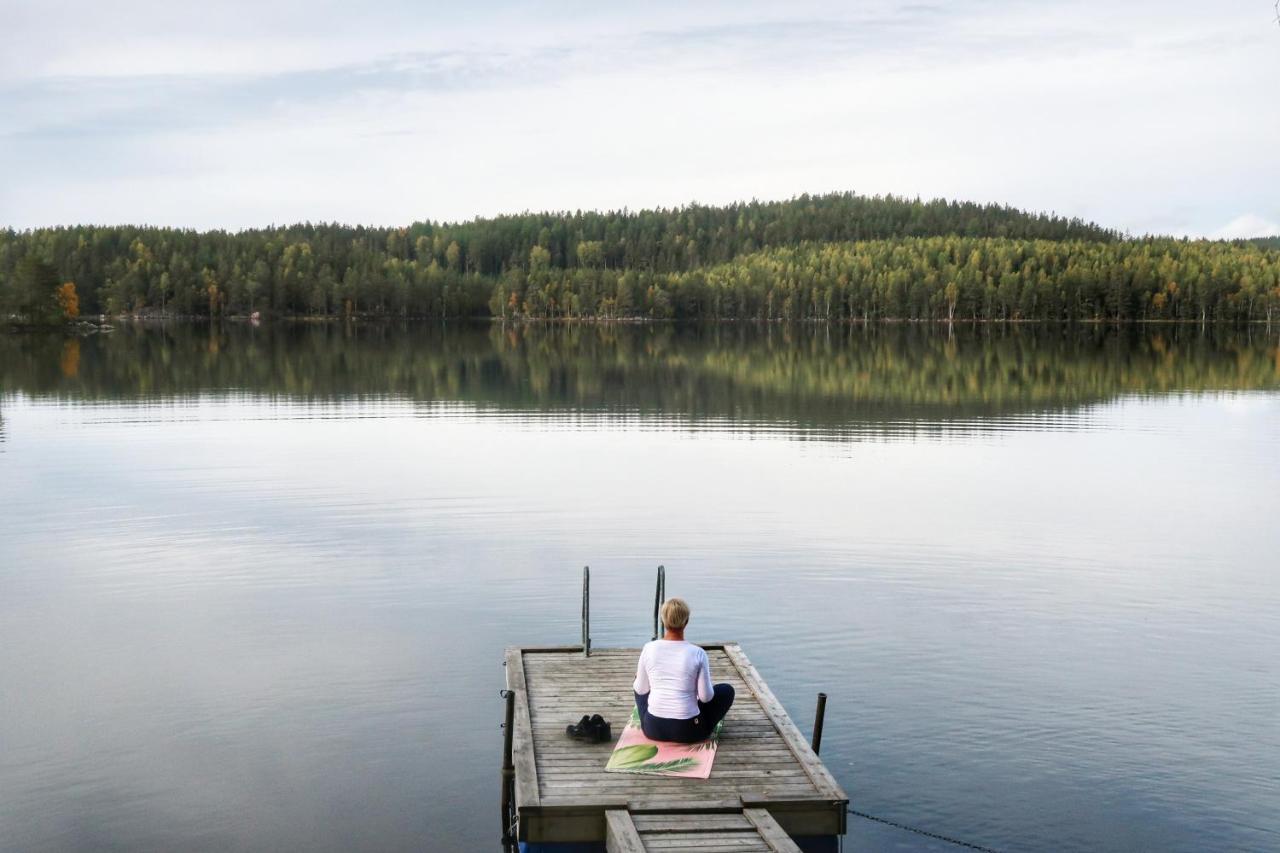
255, 584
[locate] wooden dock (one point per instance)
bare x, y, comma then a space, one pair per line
766, 784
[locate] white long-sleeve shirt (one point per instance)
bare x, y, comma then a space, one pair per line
677, 675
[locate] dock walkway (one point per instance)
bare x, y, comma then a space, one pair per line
764, 769
747, 831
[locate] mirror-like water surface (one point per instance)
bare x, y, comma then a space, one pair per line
255, 583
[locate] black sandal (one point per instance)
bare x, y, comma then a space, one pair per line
594, 729
581, 731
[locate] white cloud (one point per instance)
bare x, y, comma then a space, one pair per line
1248, 225
1143, 116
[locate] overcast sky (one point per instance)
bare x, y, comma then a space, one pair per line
1147, 116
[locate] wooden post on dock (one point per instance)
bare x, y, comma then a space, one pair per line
659, 596
586, 611
508, 769
817, 722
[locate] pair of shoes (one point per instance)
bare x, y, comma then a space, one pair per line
594, 728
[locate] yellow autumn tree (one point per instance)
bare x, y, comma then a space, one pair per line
68, 300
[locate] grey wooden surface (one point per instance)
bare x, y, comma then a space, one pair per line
563, 791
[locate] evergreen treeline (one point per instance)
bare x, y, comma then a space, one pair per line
838, 256
984, 279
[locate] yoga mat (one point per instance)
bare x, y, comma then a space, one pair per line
636, 753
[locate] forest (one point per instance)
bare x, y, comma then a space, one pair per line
835, 257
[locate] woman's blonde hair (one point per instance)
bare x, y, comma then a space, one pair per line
675, 613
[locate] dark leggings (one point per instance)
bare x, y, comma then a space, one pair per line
686, 731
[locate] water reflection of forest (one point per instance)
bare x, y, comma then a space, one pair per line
822, 375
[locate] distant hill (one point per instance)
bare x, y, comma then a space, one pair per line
681, 238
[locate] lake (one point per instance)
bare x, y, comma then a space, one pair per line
255, 583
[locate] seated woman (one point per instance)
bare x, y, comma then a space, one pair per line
673, 684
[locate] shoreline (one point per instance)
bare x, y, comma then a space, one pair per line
108, 322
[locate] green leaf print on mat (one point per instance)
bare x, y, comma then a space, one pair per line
673, 766
627, 757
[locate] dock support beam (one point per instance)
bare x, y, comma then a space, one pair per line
586, 611
508, 771
658, 597
817, 722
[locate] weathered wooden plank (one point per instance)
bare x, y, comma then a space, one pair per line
770, 831
551, 728
572, 705
553, 741
754, 845
549, 765
602, 689
723, 770
551, 732
741, 724
636, 781
757, 846
740, 751
615, 659
776, 774
613, 652
747, 793
749, 786
552, 662
621, 835
624, 675
648, 824
745, 733
522, 745
575, 703
569, 751
770, 768
618, 668
551, 736
572, 653
738, 842
801, 787
669, 805
773, 775
748, 790
752, 789
732, 758
553, 697
737, 727
598, 686
822, 778
767, 763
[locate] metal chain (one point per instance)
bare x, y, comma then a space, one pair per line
924, 832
